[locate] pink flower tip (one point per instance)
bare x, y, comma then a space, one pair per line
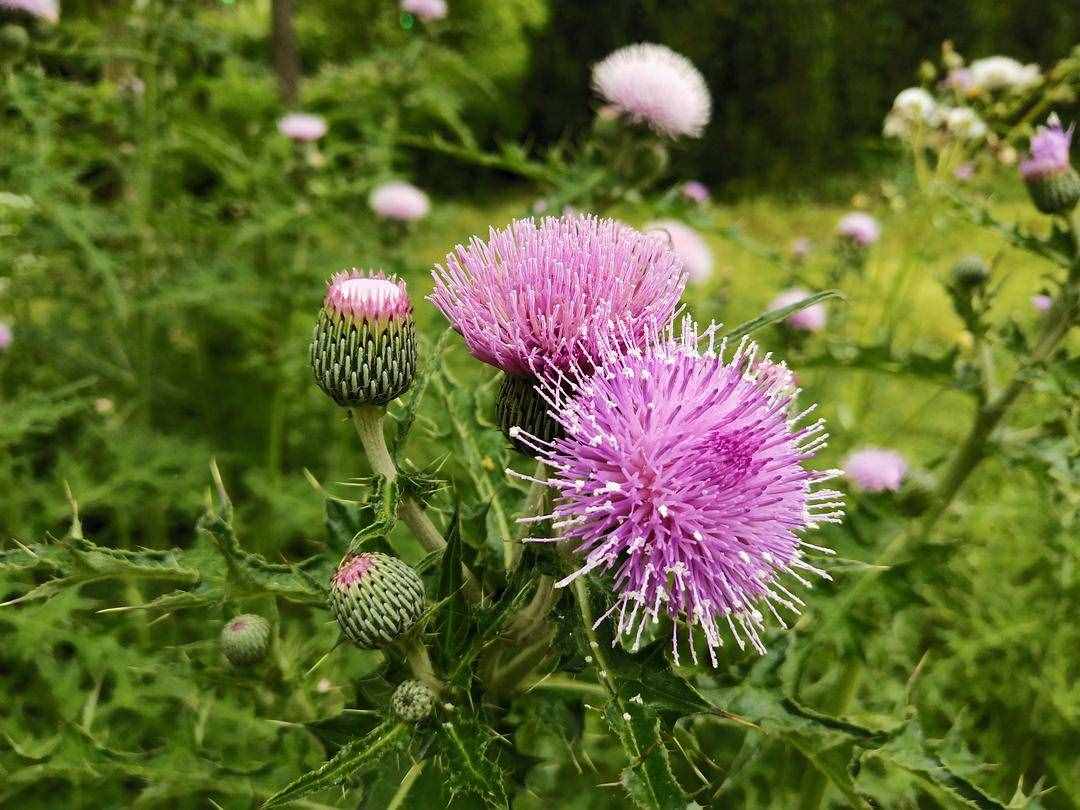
426, 10
399, 201
859, 228
809, 319
682, 473
302, 127
873, 469
964, 172
1049, 153
688, 244
1042, 303
47, 10
537, 295
367, 296
352, 571
695, 191
653, 85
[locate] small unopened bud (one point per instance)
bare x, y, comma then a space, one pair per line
927, 72
969, 273
412, 702
376, 599
363, 351
245, 639
519, 408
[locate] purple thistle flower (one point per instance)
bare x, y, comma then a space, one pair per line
695, 253
1042, 302
367, 297
859, 228
426, 10
964, 172
682, 473
656, 86
800, 248
302, 127
1049, 151
399, 201
48, 10
537, 295
5, 336
695, 191
873, 469
809, 319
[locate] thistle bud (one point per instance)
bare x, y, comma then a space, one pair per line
245, 639
363, 351
14, 40
521, 408
412, 702
376, 599
1051, 180
969, 273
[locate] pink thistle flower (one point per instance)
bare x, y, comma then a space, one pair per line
1049, 151
426, 10
873, 469
367, 297
810, 319
6, 336
682, 473
537, 295
695, 191
859, 228
800, 248
695, 253
1042, 303
656, 86
964, 172
48, 10
302, 127
961, 80
400, 201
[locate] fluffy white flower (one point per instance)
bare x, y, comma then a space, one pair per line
654, 85
1003, 73
964, 122
916, 104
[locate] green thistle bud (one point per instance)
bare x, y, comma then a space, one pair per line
363, 351
1056, 193
969, 273
412, 702
376, 599
519, 407
14, 40
245, 639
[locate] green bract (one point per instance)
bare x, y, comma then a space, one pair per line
245, 639
376, 599
412, 702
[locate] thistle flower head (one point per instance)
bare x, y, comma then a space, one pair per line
1002, 73
426, 10
1042, 302
302, 127
695, 191
6, 336
1049, 150
399, 201
48, 10
961, 80
695, 253
915, 105
873, 469
653, 85
412, 702
808, 319
363, 349
965, 123
245, 639
536, 295
682, 474
800, 248
964, 172
375, 598
859, 228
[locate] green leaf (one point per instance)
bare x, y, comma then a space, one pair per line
453, 623
1057, 249
358, 754
466, 743
648, 778
777, 315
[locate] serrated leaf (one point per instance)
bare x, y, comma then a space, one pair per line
648, 778
356, 755
471, 770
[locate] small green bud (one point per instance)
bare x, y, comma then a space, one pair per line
969, 273
1055, 193
520, 407
245, 639
412, 702
363, 350
376, 599
14, 40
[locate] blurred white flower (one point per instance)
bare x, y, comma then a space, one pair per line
1003, 73
964, 122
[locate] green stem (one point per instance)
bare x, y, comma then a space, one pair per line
416, 654
406, 785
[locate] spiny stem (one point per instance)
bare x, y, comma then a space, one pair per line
416, 654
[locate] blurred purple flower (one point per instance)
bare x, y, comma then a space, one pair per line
689, 246
964, 172
859, 228
537, 296
5, 336
654, 85
873, 469
48, 10
399, 201
1042, 302
426, 10
800, 248
302, 127
695, 191
810, 319
1049, 151
683, 475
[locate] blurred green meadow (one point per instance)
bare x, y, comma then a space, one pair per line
163, 254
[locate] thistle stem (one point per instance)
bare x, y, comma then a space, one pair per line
419, 661
368, 421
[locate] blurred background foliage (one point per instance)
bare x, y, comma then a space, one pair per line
162, 254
